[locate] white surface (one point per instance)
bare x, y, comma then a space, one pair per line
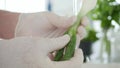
118, 1
26, 6
2, 4
101, 66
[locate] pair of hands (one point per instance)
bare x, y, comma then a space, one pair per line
43, 34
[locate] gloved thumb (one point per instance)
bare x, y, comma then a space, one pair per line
65, 22
61, 21
58, 43
54, 43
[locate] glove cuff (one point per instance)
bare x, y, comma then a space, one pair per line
19, 24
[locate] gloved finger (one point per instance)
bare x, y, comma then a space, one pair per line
78, 56
80, 35
60, 21
81, 32
75, 62
78, 41
57, 43
84, 21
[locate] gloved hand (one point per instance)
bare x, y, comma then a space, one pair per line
45, 24
24, 52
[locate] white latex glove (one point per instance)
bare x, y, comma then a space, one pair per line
29, 52
45, 24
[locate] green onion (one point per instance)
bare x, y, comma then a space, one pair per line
67, 52
70, 47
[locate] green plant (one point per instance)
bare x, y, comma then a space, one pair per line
91, 36
107, 11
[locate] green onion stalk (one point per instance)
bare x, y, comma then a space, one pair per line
68, 51
70, 47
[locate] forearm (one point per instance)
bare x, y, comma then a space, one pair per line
8, 22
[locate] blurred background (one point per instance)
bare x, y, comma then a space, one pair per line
102, 42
